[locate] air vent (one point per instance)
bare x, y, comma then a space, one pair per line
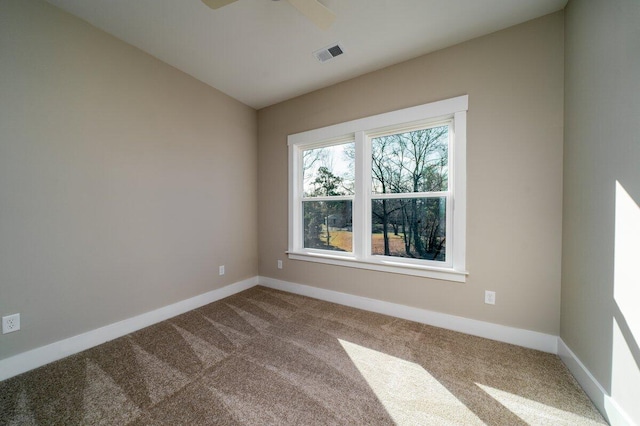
327, 53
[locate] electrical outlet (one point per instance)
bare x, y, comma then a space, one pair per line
490, 297
221, 270
279, 264
10, 323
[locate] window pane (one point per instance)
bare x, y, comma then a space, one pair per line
327, 225
409, 227
416, 161
328, 171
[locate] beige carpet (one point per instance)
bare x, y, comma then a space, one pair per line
264, 357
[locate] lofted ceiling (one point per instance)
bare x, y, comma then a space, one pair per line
260, 52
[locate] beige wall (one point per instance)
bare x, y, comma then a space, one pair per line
600, 316
124, 183
514, 79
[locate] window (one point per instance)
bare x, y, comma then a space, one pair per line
327, 199
385, 192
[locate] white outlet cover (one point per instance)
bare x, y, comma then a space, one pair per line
10, 323
490, 297
221, 270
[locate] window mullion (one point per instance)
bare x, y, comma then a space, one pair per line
363, 160
397, 195
329, 198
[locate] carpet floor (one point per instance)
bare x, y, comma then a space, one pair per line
265, 357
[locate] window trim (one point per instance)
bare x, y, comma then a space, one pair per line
361, 130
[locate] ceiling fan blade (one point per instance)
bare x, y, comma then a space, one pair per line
216, 4
318, 13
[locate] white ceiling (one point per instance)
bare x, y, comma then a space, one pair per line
260, 51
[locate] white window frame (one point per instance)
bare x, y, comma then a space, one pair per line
452, 111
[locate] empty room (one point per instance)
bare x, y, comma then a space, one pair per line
345, 212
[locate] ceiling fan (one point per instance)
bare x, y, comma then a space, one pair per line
317, 13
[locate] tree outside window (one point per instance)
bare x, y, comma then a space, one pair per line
328, 176
410, 163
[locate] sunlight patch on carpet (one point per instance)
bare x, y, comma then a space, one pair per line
407, 391
534, 412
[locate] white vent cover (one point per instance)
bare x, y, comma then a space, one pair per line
327, 53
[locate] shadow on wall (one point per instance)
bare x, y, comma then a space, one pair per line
625, 352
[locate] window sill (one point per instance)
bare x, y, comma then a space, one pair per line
446, 274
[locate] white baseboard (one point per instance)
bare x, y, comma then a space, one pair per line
38, 357
609, 408
516, 336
